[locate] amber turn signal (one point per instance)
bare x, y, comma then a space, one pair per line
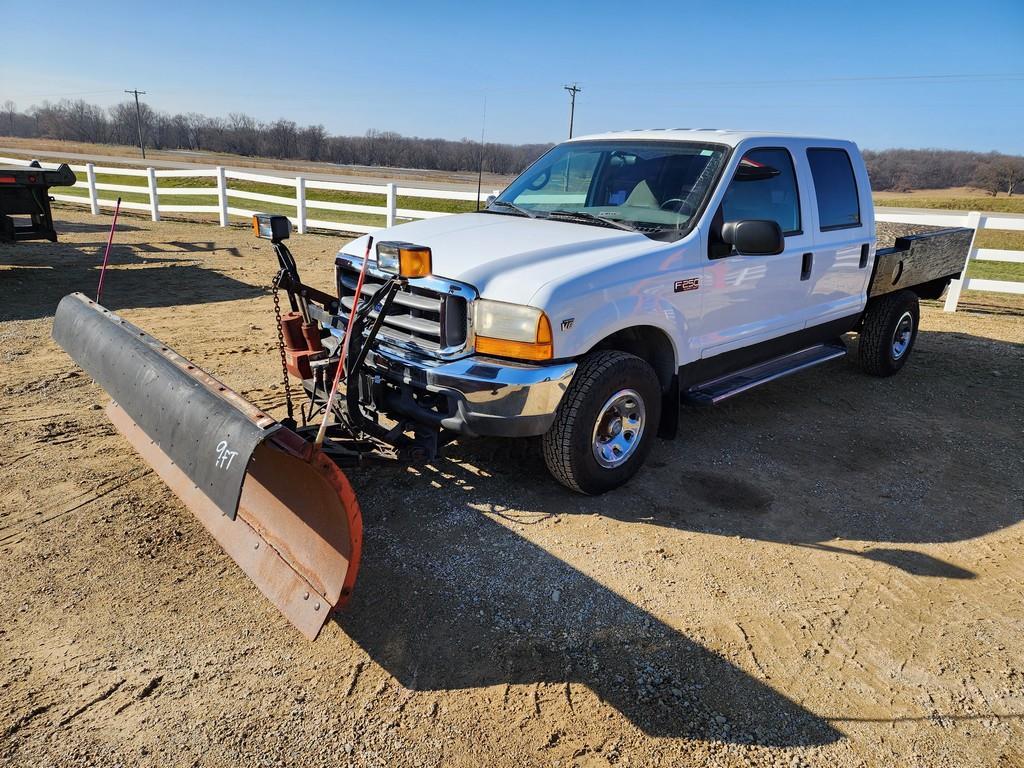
404, 259
541, 349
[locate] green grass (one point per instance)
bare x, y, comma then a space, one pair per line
330, 196
988, 204
996, 270
1000, 239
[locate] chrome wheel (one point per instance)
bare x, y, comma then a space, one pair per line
619, 427
902, 335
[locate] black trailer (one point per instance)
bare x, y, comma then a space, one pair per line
25, 191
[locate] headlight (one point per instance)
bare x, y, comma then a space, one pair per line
511, 330
404, 259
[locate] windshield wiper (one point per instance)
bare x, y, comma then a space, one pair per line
518, 209
590, 217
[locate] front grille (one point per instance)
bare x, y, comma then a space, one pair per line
421, 318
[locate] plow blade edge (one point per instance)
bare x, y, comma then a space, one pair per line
277, 505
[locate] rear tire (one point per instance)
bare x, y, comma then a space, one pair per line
888, 333
606, 423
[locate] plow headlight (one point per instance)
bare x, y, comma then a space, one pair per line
271, 227
511, 330
404, 259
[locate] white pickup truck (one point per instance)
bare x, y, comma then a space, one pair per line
626, 272
616, 277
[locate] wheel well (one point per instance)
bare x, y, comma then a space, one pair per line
934, 288
648, 343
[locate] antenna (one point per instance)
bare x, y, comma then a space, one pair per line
480, 163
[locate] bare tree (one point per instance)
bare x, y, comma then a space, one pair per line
1002, 173
83, 121
280, 138
10, 109
244, 134
197, 125
311, 142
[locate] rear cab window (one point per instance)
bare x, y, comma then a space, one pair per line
835, 188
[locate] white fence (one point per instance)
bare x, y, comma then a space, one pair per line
975, 221
225, 195
392, 213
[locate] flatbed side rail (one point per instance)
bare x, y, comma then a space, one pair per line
975, 221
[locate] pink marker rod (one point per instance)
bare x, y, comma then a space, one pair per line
106, 253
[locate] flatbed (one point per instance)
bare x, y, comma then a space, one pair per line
24, 191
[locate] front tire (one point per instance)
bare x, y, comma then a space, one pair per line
606, 423
888, 334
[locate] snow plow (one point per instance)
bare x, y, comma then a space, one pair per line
272, 493
276, 504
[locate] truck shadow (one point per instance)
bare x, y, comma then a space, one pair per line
924, 457
478, 608
35, 276
827, 460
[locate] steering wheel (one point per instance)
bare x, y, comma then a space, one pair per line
678, 205
540, 180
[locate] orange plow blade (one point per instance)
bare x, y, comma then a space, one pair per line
279, 507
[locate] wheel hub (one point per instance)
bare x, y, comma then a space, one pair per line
619, 428
902, 335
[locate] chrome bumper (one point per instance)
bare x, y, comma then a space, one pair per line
491, 397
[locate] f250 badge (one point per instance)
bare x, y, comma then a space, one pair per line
687, 284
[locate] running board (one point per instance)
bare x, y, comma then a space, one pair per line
715, 391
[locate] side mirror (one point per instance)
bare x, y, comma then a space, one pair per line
490, 199
755, 237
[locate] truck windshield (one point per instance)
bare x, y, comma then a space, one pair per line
653, 187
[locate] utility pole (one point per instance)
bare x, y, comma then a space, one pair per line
138, 119
573, 90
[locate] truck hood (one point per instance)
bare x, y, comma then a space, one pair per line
506, 257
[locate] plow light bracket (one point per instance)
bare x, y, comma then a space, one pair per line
268, 226
404, 259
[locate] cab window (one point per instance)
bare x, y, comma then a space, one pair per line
835, 188
764, 187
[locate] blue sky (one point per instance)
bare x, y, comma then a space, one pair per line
424, 68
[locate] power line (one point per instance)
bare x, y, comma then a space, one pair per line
937, 79
573, 90
62, 95
138, 119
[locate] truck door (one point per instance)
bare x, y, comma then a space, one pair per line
753, 298
843, 235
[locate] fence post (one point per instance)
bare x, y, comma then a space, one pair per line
154, 203
392, 215
90, 177
974, 221
300, 203
222, 195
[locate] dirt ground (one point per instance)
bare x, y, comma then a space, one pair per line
826, 571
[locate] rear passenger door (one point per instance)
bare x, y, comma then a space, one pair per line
843, 241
